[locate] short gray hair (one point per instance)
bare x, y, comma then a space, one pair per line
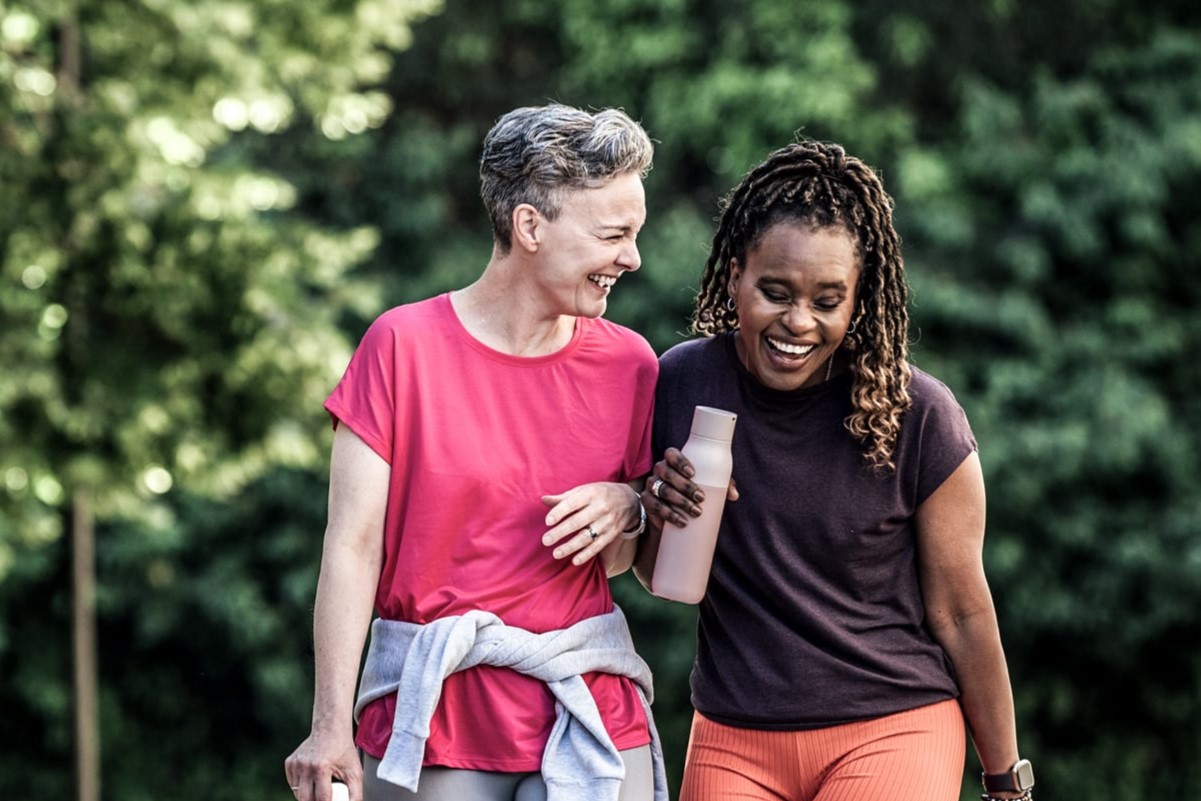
536, 153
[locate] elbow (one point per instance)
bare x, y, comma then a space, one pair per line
955, 629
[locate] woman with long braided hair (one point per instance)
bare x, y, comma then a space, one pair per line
847, 630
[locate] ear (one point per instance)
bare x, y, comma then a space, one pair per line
735, 278
527, 227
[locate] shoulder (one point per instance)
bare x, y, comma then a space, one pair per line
929, 394
404, 322
619, 340
409, 313
691, 352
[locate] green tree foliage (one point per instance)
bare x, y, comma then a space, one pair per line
1060, 296
169, 323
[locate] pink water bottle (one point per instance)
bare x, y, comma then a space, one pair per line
686, 554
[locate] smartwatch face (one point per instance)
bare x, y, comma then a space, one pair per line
1025, 774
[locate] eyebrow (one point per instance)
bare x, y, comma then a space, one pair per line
617, 226
770, 279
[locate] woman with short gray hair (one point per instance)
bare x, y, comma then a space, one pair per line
484, 484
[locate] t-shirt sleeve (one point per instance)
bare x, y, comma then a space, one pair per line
946, 437
638, 456
365, 397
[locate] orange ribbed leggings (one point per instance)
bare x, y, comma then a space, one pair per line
910, 756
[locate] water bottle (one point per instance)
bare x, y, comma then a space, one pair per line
686, 554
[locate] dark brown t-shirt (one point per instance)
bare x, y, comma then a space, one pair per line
813, 614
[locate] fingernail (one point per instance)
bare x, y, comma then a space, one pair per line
698, 496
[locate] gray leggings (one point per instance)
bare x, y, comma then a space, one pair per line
453, 784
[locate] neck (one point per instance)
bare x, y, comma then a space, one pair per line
499, 311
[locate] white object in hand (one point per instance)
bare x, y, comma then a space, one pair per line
686, 554
341, 792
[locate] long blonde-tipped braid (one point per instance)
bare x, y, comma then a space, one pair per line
820, 185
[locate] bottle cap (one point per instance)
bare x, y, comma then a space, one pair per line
713, 423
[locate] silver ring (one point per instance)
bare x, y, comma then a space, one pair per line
656, 487
593, 532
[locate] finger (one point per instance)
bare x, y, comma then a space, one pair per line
651, 504
676, 460
665, 501
564, 505
295, 773
732, 491
583, 541
662, 511
592, 547
684, 497
674, 478
577, 523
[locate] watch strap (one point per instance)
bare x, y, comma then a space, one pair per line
1017, 779
999, 782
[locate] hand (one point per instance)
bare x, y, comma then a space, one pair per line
321, 758
605, 508
676, 495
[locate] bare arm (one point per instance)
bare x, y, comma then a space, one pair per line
959, 608
351, 560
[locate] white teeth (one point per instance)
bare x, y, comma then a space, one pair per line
603, 281
791, 350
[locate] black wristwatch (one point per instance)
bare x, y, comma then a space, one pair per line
1017, 779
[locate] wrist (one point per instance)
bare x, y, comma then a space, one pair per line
332, 726
1014, 784
640, 526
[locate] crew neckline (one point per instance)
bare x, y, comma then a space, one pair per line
577, 335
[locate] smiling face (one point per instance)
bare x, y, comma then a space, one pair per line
795, 295
591, 244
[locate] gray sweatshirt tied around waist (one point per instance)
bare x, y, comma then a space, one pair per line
580, 762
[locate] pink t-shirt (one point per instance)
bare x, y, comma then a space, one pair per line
475, 437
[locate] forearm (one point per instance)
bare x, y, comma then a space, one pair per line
618, 555
341, 617
647, 553
973, 644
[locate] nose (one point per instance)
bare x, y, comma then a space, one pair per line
798, 318
629, 258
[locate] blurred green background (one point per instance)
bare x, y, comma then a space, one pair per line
203, 204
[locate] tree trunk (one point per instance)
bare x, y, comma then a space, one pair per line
83, 621
83, 546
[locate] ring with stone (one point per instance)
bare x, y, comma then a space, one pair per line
656, 487
593, 532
